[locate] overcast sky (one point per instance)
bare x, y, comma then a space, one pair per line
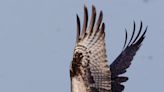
37, 38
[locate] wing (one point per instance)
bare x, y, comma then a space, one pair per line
123, 61
90, 60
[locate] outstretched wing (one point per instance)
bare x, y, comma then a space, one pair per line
89, 63
123, 61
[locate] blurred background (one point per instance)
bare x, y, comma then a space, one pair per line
37, 38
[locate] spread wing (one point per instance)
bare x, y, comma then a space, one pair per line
89, 63
123, 61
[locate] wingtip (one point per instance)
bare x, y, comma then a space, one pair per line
93, 7
85, 7
84, 22
141, 23
77, 17
145, 31
93, 10
126, 37
134, 24
100, 17
78, 28
101, 14
103, 27
85, 12
78, 20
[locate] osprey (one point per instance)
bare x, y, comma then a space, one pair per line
89, 71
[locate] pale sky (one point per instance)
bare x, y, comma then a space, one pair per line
37, 38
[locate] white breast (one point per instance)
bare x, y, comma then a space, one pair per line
78, 85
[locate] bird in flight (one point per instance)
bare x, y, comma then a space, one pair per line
89, 70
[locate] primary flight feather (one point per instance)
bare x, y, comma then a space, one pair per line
89, 70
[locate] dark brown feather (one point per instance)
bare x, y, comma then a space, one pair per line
92, 22
85, 22
78, 29
123, 61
